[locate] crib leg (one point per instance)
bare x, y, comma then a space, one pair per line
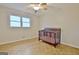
39, 38
55, 45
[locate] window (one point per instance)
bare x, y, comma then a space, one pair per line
15, 21
25, 22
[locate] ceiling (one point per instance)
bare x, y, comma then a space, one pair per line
20, 6
24, 6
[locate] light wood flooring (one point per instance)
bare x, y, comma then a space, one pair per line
36, 47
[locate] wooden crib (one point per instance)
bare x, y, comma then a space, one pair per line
50, 35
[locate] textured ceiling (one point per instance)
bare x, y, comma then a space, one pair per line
25, 6
20, 6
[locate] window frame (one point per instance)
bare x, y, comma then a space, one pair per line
27, 22
21, 26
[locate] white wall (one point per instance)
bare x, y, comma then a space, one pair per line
8, 34
65, 17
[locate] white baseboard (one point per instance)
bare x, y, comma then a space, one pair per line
70, 45
16, 40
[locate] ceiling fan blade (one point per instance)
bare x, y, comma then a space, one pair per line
43, 6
